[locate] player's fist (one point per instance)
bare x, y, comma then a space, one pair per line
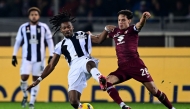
88, 32
110, 28
14, 61
50, 57
146, 15
34, 84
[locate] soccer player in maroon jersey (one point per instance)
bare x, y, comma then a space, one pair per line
129, 63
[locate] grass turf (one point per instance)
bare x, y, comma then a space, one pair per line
55, 105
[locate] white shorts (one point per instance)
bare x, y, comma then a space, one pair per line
28, 67
78, 74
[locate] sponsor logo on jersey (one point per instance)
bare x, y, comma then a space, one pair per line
81, 37
120, 39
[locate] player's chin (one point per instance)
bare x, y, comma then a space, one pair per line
67, 35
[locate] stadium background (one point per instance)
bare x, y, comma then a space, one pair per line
164, 46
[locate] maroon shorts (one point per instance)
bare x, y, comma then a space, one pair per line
134, 68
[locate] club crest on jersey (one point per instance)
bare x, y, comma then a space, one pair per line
126, 32
120, 39
38, 30
27, 29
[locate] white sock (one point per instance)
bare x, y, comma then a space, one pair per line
122, 104
80, 105
33, 94
173, 107
95, 74
23, 87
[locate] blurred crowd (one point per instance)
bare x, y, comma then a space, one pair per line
97, 8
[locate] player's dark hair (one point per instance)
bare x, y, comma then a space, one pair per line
63, 16
128, 13
33, 9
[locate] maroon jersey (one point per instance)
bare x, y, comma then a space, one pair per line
126, 42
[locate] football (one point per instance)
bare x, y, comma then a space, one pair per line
86, 106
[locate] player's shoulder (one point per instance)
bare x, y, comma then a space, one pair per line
43, 24
59, 43
24, 24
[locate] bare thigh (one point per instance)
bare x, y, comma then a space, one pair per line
113, 79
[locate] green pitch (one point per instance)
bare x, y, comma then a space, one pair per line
95, 105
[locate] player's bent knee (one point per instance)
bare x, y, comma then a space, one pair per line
112, 79
91, 64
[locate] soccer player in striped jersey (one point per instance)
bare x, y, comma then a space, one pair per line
33, 34
76, 47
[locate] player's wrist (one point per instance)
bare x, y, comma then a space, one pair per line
106, 29
39, 78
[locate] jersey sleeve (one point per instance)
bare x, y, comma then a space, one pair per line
133, 28
19, 39
57, 49
19, 35
48, 34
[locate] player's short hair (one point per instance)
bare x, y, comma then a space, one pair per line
128, 13
63, 16
33, 9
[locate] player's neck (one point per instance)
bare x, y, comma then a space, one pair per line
32, 23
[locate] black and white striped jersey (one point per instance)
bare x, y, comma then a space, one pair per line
74, 47
34, 37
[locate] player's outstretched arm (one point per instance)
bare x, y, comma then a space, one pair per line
142, 21
101, 37
49, 68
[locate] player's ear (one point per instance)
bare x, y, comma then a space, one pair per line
129, 20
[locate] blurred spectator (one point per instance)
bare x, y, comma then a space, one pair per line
3, 9
82, 9
125, 4
155, 8
16, 8
96, 7
25, 7
71, 5
179, 10
139, 8
188, 14
45, 7
109, 8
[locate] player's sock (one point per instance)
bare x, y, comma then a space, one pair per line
23, 87
113, 93
163, 98
95, 74
34, 92
80, 106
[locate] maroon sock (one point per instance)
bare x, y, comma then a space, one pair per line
163, 98
113, 93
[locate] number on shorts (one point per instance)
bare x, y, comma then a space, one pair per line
144, 71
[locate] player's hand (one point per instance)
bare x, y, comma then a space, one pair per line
14, 61
34, 84
88, 32
110, 28
146, 15
50, 57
